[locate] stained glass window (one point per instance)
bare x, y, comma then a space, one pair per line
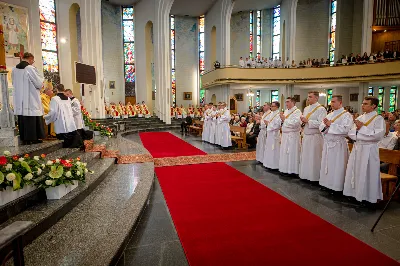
332, 36
329, 96
258, 98
48, 32
128, 26
276, 32
370, 91
173, 78
381, 96
201, 57
274, 96
251, 34
393, 99
258, 34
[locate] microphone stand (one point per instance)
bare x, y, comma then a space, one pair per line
387, 204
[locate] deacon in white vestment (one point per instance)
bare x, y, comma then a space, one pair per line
27, 101
272, 143
335, 153
363, 179
60, 114
312, 143
241, 62
262, 136
206, 125
224, 120
218, 127
289, 156
213, 124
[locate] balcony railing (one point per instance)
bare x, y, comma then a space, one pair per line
344, 73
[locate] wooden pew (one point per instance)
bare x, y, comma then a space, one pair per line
388, 180
196, 127
241, 139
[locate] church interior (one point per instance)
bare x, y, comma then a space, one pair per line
186, 132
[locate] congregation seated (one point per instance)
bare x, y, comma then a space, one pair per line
252, 134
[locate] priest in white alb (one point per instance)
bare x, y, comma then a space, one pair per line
206, 124
312, 143
224, 120
289, 156
77, 112
363, 169
262, 136
335, 127
61, 115
272, 143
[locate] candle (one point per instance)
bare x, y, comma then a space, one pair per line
2, 50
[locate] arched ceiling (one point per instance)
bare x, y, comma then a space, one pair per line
195, 8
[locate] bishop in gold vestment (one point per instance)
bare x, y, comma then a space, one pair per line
45, 96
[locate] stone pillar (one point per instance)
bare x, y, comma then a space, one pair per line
162, 59
362, 93
284, 92
288, 29
7, 123
368, 17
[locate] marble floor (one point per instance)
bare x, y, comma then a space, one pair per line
156, 242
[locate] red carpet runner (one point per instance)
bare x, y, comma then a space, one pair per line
223, 217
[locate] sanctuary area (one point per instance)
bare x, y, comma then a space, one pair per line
199, 132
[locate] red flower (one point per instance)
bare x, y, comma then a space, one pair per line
26, 156
43, 155
78, 159
3, 160
15, 158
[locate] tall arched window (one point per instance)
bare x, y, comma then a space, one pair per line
128, 26
332, 37
276, 33
48, 31
258, 34
251, 34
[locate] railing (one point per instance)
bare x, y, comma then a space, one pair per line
393, 46
12, 236
340, 73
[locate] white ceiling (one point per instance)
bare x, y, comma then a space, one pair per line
196, 8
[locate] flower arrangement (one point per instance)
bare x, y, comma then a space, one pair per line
104, 130
18, 172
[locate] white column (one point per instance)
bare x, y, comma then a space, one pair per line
162, 58
92, 55
368, 16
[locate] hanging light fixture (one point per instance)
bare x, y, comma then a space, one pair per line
322, 94
250, 93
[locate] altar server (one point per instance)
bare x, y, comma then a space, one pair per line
290, 148
224, 120
61, 114
313, 143
206, 123
77, 112
335, 153
262, 136
241, 62
273, 141
362, 179
28, 107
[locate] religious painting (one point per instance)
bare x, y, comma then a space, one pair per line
187, 95
112, 85
239, 97
354, 97
296, 98
15, 28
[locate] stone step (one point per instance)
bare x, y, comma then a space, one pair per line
35, 149
45, 213
17, 206
97, 230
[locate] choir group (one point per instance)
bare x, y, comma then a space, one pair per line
128, 110
313, 144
